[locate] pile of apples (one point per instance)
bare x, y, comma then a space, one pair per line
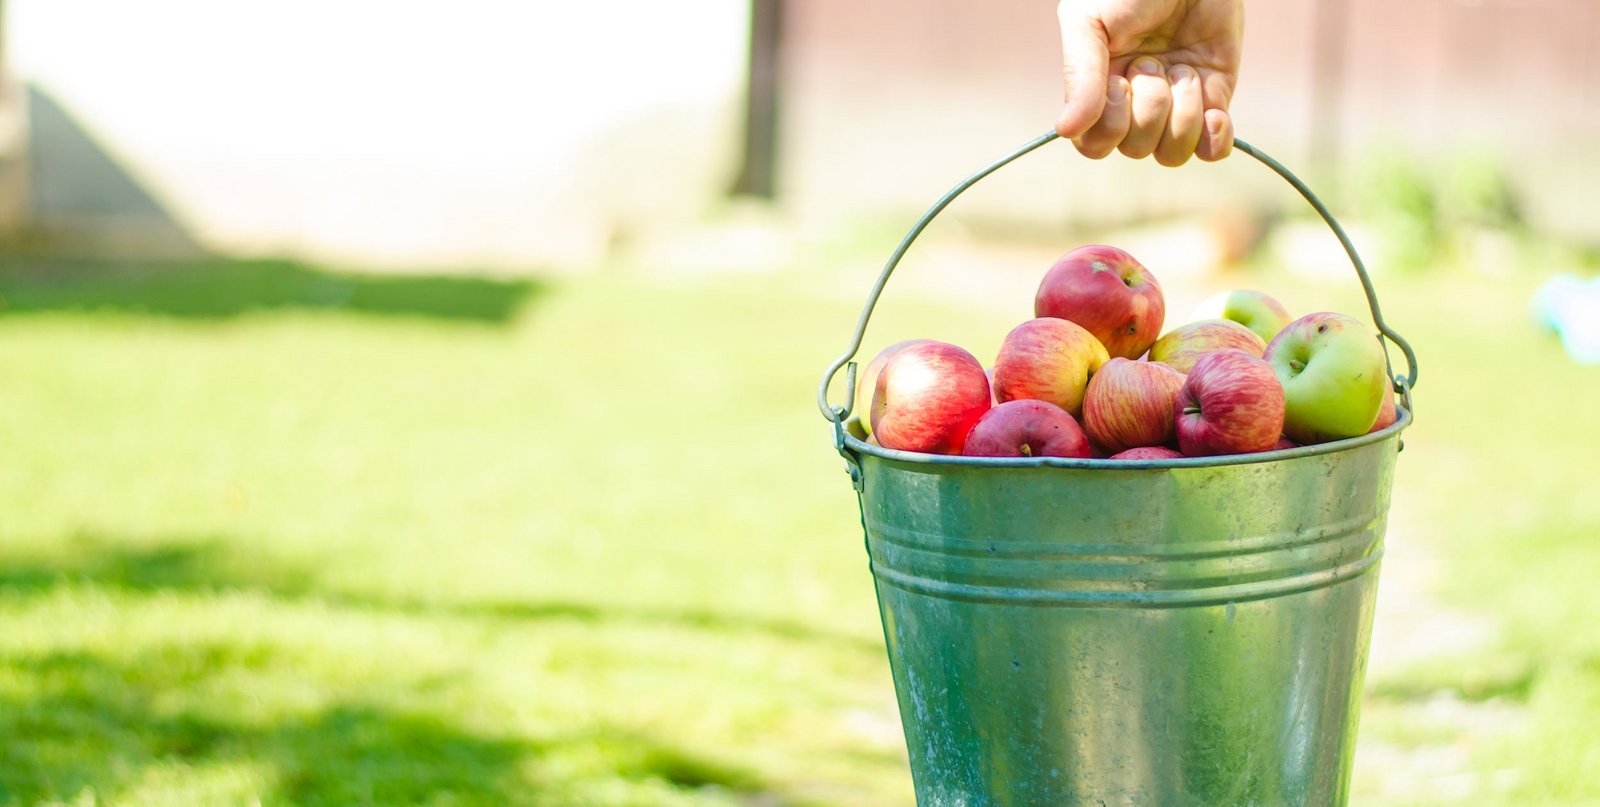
1087, 377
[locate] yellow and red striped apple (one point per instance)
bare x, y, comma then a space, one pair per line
1047, 359
1180, 347
1231, 403
1129, 404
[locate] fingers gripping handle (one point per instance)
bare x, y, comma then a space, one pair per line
836, 414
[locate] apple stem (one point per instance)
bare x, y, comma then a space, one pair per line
1296, 365
1027, 450
1191, 410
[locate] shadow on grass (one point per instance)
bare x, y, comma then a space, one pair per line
76, 722
91, 723
211, 565
222, 288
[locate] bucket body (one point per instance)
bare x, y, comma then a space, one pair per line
1175, 633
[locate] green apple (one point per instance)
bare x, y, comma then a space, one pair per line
1253, 309
1333, 375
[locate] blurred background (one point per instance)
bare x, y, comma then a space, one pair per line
403, 404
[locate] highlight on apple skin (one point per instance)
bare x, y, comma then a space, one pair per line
928, 397
1231, 403
1333, 374
1129, 404
1047, 359
1109, 293
1180, 347
1026, 428
867, 383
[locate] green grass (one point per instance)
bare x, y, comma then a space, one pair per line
275, 534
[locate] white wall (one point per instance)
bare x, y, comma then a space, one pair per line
399, 132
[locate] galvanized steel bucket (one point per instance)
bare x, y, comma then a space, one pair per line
1167, 633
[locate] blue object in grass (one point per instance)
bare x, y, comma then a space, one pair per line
1570, 306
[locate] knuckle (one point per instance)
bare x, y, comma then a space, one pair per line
1171, 159
1134, 150
1092, 152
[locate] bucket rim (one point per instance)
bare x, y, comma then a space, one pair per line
1402, 420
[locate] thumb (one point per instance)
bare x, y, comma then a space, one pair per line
1085, 62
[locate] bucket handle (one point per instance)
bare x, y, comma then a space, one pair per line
837, 414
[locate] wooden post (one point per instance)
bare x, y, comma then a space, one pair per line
1330, 20
13, 144
758, 165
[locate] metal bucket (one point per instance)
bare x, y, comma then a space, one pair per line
1169, 633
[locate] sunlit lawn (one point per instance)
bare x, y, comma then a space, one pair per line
275, 534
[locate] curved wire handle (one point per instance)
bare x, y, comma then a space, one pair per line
1402, 384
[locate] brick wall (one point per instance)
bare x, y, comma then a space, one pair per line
891, 101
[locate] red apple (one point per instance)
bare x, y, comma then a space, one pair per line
1283, 443
1231, 403
1386, 412
1147, 453
1047, 359
867, 382
1107, 292
1181, 346
928, 397
1129, 404
1026, 428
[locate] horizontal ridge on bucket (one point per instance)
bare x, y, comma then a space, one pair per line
1106, 537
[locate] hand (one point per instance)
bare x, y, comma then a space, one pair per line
1150, 76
